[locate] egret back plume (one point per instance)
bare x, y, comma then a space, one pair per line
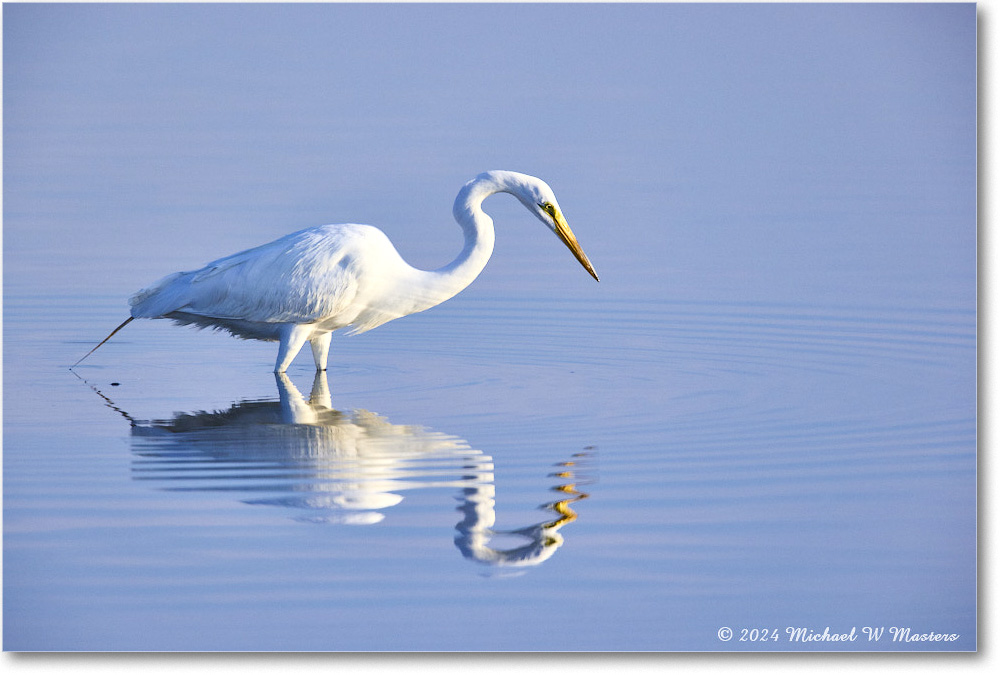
122, 325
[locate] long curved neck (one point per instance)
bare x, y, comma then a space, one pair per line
444, 283
477, 228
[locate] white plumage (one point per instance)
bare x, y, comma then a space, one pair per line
305, 277
307, 284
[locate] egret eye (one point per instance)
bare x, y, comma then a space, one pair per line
549, 208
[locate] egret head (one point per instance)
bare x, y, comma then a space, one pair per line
538, 198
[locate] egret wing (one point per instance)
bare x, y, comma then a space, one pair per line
303, 277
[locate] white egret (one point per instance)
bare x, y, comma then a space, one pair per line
306, 285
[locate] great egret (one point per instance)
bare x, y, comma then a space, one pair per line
307, 284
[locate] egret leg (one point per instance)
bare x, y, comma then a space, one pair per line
321, 349
292, 338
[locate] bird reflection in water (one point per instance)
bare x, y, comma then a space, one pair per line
342, 467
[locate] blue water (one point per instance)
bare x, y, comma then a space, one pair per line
763, 418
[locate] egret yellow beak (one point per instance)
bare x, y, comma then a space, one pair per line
568, 238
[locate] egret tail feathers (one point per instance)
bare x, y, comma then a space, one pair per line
123, 324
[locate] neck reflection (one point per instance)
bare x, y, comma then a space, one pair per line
350, 468
475, 530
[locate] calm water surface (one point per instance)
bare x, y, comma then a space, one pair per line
689, 467
763, 418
